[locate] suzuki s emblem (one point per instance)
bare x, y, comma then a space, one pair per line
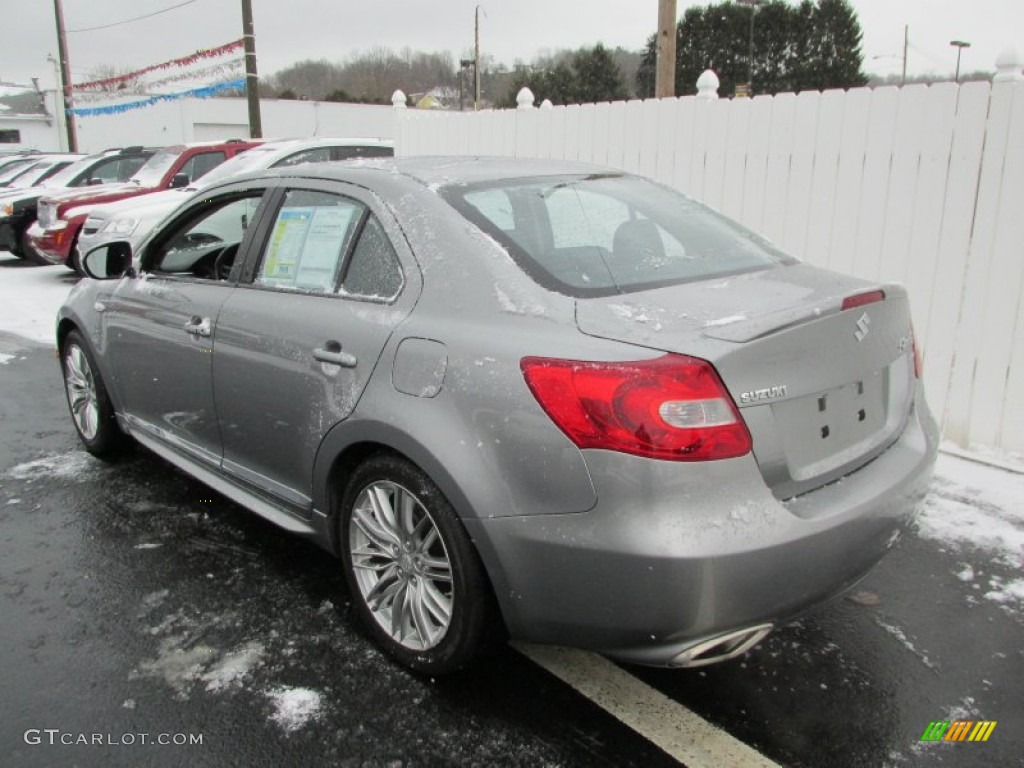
862, 327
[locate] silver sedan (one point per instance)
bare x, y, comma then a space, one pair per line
516, 398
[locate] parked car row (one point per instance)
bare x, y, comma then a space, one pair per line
18, 202
52, 204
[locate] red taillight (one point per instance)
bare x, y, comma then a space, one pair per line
674, 407
860, 299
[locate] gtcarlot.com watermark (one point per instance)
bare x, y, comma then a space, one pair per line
55, 737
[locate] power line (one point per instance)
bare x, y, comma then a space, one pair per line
137, 18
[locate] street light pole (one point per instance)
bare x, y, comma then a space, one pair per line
476, 59
755, 5
959, 45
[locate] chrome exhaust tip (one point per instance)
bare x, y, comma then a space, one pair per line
722, 647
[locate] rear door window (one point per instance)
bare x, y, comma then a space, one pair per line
374, 271
308, 241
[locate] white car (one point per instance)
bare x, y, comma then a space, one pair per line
134, 218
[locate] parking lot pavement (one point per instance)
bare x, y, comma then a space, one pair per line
136, 600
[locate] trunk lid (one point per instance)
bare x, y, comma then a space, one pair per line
822, 390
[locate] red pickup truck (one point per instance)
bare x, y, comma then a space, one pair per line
60, 216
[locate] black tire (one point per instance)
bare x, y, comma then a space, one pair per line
74, 263
84, 389
27, 252
410, 573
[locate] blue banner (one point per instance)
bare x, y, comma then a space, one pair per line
196, 93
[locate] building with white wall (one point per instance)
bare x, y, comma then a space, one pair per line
185, 120
26, 119
29, 120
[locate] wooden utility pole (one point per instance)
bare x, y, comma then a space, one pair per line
665, 69
906, 42
65, 77
252, 83
476, 59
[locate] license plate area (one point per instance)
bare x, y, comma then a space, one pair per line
823, 429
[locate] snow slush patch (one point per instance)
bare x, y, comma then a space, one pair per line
975, 506
6, 358
905, 642
1009, 594
182, 666
231, 671
294, 707
75, 465
177, 666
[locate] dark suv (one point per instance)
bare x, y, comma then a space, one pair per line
60, 216
18, 207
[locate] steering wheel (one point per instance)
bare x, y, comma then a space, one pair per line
224, 261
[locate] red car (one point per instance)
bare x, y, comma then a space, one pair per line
60, 216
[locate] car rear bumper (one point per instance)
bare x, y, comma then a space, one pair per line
673, 555
53, 245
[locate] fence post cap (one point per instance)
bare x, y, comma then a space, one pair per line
707, 85
1008, 66
546, 104
525, 98
398, 99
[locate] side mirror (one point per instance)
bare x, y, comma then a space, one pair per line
179, 180
93, 182
110, 261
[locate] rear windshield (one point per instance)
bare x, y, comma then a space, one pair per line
606, 234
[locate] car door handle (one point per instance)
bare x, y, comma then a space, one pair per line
331, 353
198, 326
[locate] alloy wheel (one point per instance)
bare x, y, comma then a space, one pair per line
81, 389
401, 565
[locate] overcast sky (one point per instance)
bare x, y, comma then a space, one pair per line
291, 30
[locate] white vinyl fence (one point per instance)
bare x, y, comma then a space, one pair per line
920, 185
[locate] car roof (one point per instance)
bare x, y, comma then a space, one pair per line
436, 171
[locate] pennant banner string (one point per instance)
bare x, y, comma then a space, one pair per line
184, 61
219, 71
195, 93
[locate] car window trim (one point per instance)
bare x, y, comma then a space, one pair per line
370, 205
148, 253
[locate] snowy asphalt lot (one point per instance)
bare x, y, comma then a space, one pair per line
135, 600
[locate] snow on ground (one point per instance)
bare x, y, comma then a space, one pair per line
231, 671
30, 297
78, 466
976, 511
978, 506
294, 707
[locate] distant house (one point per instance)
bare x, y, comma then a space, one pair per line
439, 97
25, 121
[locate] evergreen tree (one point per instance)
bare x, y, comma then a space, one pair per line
596, 77
590, 75
815, 45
